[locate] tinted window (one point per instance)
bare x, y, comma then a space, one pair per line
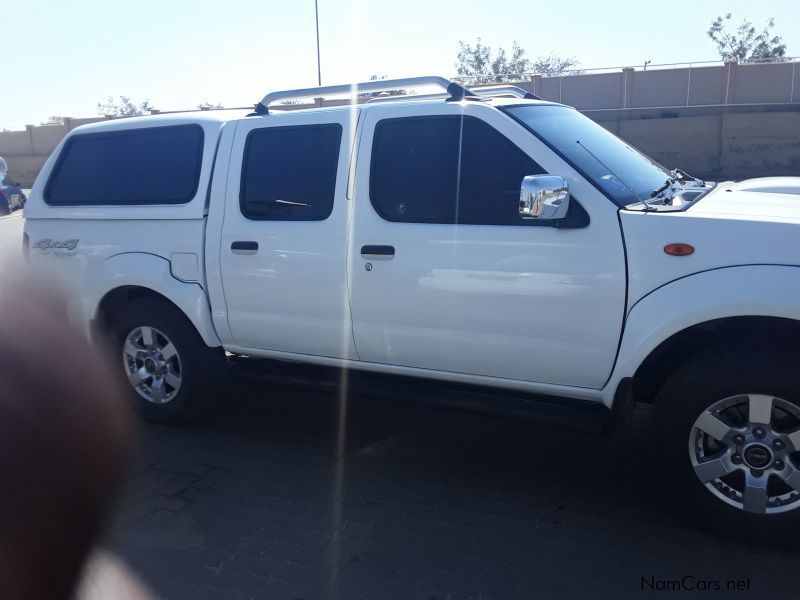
447, 170
289, 173
155, 165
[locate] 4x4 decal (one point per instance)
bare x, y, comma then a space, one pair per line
51, 247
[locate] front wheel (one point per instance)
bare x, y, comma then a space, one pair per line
170, 372
729, 422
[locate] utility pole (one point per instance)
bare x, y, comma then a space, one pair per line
319, 65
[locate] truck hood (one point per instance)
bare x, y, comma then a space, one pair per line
766, 198
753, 222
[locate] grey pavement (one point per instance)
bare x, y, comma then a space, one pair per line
421, 503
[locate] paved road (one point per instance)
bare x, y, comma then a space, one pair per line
425, 503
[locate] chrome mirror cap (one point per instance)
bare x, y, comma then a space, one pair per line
544, 197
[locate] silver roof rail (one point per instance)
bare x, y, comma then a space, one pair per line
407, 97
493, 91
505, 90
455, 91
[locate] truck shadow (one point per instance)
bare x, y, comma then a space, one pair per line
402, 493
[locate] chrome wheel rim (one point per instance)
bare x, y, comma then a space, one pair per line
152, 365
745, 450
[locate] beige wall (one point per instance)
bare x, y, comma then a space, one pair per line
766, 83
723, 146
691, 143
721, 121
730, 83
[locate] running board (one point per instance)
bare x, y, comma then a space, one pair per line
570, 413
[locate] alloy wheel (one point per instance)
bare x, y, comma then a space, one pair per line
152, 365
745, 450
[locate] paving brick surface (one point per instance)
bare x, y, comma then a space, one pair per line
423, 503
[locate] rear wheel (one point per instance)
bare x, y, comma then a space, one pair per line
729, 421
170, 372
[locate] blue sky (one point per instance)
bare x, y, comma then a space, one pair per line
62, 58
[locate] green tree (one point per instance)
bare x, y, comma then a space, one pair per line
480, 63
54, 120
554, 65
125, 107
746, 43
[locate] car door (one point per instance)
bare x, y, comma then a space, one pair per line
446, 276
283, 244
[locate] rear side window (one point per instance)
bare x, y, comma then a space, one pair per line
154, 165
289, 173
448, 169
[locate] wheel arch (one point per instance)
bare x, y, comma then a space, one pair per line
118, 298
775, 332
746, 303
129, 277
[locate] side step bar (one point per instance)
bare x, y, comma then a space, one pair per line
580, 415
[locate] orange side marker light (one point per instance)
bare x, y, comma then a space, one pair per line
679, 249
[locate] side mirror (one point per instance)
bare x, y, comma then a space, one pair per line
544, 197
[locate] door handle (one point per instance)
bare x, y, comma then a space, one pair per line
244, 247
377, 250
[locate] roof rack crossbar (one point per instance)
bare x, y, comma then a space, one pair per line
493, 91
499, 90
455, 90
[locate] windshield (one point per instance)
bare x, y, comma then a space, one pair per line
622, 172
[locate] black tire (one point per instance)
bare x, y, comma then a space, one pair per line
716, 374
202, 369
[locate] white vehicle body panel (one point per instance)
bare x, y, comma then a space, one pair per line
291, 294
725, 228
755, 290
155, 273
537, 304
127, 245
771, 185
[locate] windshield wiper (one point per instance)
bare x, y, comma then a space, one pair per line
682, 175
677, 176
667, 184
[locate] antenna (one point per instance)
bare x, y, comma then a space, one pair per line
319, 64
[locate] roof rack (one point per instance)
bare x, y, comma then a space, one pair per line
408, 97
455, 91
493, 91
505, 90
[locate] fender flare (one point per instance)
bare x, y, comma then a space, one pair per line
153, 273
737, 291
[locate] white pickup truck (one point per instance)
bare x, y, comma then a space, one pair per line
485, 239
